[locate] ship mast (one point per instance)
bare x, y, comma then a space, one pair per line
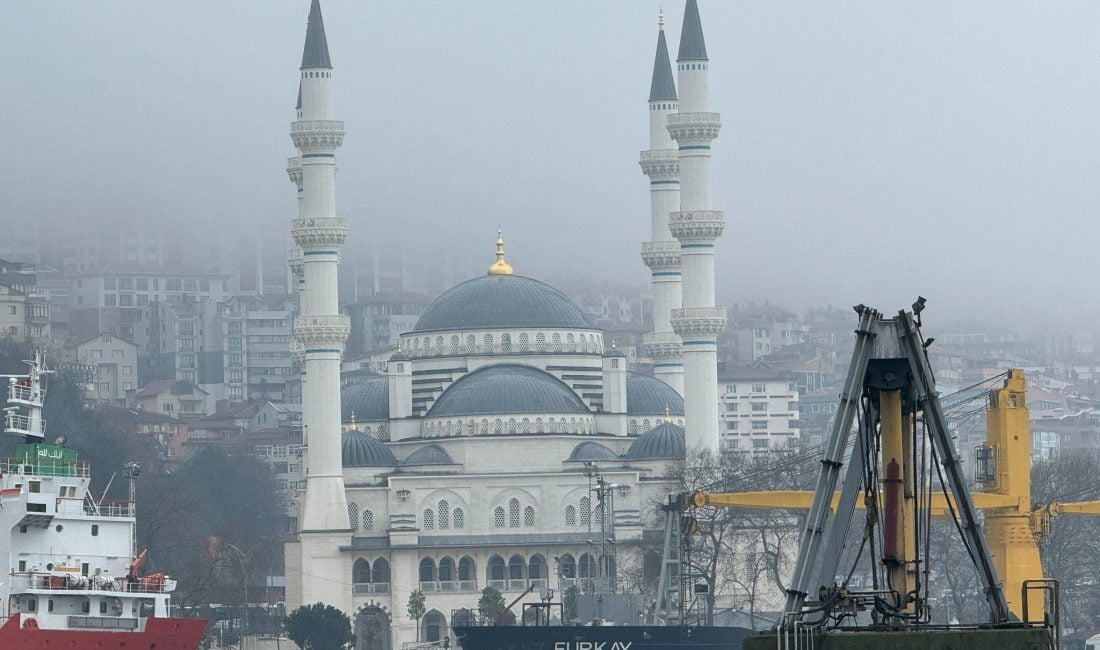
26, 394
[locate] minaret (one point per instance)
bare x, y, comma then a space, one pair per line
661, 163
320, 328
294, 170
697, 227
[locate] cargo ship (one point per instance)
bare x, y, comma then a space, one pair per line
73, 578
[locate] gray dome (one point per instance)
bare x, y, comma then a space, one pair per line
591, 452
368, 400
613, 351
502, 301
430, 455
507, 388
663, 442
364, 450
647, 395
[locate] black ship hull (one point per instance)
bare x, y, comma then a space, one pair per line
617, 637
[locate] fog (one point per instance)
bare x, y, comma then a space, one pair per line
870, 151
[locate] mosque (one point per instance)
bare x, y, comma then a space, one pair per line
472, 461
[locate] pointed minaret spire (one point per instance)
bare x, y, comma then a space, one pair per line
663, 87
692, 45
315, 54
500, 267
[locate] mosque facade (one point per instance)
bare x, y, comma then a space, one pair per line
472, 461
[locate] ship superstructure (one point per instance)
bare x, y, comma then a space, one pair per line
72, 573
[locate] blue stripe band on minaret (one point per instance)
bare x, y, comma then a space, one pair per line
694, 146
696, 245
657, 273
318, 155
668, 364
320, 253
337, 350
664, 182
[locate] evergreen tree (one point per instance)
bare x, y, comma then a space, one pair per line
319, 627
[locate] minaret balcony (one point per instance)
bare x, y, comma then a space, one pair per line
696, 225
322, 331
314, 136
297, 352
661, 255
319, 232
696, 322
660, 164
662, 346
294, 258
694, 128
294, 170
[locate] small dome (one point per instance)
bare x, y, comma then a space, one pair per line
368, 400
364, 450
591, 452
502, 301
613, 352
663, 442
430, 455
507, 388
398, 356
647, 395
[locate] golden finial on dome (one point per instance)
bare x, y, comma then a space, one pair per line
500, 267
353, 418
668, 414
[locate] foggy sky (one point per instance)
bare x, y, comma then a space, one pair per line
869, 151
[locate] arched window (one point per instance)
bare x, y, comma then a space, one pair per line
444, 514
439, 345
570, 516
586, 567
498, 426
368, 519
567, 566
381, 572
570, 343
446, 570
471, 344
505, 342
429, 519
586, 511
427, 570
529, 517
525, 425
458, 518
458, 427
353, 514
454, 345
584, 343
513, 513
487, 343
511, 425
539, 428
516, 568
645, 424
471, 427
484, 426
524, 343
466, 569
360, 572
449, 427
556, 339
536, 568
597, 515
495, 569
434, 626
416, 347
572, 425
540, 342
498, 517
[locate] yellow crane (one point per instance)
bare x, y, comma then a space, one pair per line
1012, 528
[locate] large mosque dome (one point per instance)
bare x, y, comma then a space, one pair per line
507, 388
502, 302
365, 401
647, 395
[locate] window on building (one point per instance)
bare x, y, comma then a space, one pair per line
570, 516
761, 443
793, 424
529, 516
759, 406
427, 570
444, 511
353, 514
731, 426
458, 518
127, 370
730, 389
731, 407
759, 425
12, 310
586, 511
498, 517
567, 566
429, 519
513, 513
108, 300
759, 388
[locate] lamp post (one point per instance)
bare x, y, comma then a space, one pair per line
244, 564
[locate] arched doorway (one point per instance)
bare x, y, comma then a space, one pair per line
372, 628
434, 626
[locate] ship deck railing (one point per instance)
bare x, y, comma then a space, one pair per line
34, 581
21, 466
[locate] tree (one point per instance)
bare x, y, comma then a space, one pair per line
569, 603
319, 627
491, 604
416, 609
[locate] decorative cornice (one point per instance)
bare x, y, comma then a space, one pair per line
319, 232
694, 128
322, 331
317, 136
297, 352
660, 163
294, 258
661, 255
692, 322
696, 225
294, 170
662, 346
